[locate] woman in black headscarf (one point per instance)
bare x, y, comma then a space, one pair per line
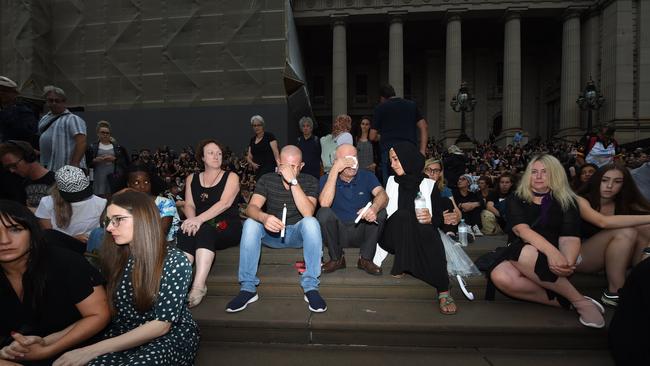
411, 237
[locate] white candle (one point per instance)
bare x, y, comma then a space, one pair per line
363, 211
284, 220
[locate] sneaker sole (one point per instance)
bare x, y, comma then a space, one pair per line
312, 309
591, 325
252, 300
608, 301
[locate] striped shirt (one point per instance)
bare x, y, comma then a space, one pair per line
57, 142
270, 187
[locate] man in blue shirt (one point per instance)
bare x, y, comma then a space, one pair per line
344, 195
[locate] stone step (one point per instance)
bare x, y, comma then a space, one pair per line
397, 323
284, 280
283, 256
255, 354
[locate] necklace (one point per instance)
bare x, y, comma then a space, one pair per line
204, 195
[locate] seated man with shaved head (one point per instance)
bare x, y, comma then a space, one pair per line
293, 193
345, 194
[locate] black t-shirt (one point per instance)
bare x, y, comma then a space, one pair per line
496, 196
37, 189
471, 197
396, 120
270, 186
558, 223
69, 280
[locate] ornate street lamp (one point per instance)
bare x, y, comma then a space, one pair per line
590, 100
463, 102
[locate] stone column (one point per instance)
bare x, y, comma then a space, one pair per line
433, 93
396, 54
339, 67
453, 76
570, 82
644, 63
511, 77
590, 57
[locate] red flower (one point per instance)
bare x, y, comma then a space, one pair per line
222, 225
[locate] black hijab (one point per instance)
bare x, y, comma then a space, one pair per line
409, 184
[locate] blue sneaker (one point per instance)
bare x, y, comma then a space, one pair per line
316, 302
240, 302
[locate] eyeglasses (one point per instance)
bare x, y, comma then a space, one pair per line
13, 165
432, 171
104, 133
257, 125
115, 220
54, 100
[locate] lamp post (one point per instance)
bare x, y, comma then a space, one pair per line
590, 100
463, 102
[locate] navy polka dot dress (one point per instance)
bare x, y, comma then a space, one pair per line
179, 345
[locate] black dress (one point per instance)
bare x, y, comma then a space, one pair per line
69, 280
263, 154
417, 247
220, 232
559, 223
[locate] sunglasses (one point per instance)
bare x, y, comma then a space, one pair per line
115, 220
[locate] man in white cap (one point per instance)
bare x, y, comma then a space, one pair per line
63, 134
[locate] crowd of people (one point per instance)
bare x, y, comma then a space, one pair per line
156, 220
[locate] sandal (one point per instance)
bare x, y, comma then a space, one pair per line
444, 302
195, 296
398, 276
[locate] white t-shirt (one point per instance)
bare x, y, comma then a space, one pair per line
85, 214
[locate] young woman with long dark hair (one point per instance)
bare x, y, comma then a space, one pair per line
146, 284
615, 227
51, 299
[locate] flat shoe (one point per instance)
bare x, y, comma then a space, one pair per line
196, 295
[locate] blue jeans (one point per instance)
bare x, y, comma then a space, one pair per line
304, 234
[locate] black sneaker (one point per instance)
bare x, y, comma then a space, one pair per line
316, 302
242, 300
609, 298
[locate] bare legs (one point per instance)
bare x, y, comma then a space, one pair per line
612, 250
518, 279
204, 258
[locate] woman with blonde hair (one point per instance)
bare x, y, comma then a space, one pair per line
109, 161
146, 285
544, 242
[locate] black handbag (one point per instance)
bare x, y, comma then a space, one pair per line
116, 180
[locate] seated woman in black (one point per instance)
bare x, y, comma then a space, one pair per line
51, 299
414, 238
615, 227
545, 242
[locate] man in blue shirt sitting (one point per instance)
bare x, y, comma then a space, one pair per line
344, 195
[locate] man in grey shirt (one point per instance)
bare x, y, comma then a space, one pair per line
63, 134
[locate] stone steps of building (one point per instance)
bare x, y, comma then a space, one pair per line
255, 354
397, 323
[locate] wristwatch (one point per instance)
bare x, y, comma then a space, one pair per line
294, 182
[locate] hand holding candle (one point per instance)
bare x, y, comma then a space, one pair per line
363, 212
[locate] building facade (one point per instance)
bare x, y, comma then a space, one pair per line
525, 62
174, 71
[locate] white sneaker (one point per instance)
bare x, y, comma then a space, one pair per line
477, 231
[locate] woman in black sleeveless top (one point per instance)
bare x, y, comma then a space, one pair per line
212, 217
615, 227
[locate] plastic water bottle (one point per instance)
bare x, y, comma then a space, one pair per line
420, 204
463, 231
